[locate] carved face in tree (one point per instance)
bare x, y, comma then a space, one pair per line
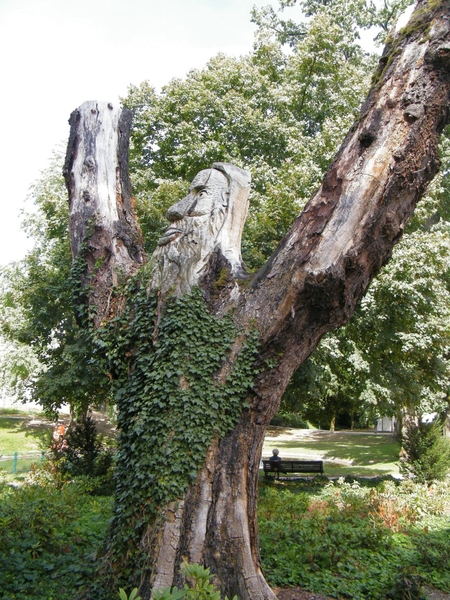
211, 217
202, 209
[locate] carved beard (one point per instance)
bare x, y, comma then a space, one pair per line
179, 263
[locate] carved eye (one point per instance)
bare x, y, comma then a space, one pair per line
202, 193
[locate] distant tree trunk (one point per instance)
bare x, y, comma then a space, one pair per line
310, 286
333, 422
398, 426
447, 427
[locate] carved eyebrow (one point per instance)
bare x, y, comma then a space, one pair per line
198, 188
202, 186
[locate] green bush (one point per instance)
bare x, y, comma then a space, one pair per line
48, 539
198, 586
289, 419
78, 453
357, 541
82, 451
133, 596
426, 452
344, 539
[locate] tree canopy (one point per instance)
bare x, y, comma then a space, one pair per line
281, 112
394, 354
49, 352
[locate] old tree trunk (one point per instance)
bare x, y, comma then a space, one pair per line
310, 286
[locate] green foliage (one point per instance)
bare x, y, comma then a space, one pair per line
357, 541
171, 403
133, 596
289, 419
282, 115
50, 356
426, 451
47, 540
395, 351
365, 540
81, 451
198, 585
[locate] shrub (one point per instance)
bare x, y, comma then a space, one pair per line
81, 452
198, 585
426, 452
358, 541
48, 538
289, 419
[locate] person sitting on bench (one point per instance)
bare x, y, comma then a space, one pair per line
275, 457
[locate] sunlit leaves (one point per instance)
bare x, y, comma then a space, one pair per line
36, 309
394, 354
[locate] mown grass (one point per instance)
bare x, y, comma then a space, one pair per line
344, 453
23, 433
27, 435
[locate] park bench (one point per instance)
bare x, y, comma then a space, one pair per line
292, 466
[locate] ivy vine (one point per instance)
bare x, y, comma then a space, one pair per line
170, 404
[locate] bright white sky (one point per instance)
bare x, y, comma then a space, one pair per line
56, 54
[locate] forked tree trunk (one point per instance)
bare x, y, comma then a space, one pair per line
310, 286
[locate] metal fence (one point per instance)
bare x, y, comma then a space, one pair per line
21, 462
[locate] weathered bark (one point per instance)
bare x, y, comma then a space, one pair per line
103, 229
310, 286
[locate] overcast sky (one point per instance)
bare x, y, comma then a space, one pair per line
56, 54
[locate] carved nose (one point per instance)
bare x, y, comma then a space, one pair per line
180, 209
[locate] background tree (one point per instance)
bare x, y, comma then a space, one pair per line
280, 114
426, 451
248, 111
286, 171
311, 96
37, 309
394, 354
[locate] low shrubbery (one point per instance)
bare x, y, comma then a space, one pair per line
426, 452
373, 539
289, 419
198, 586
79, 451
357, 541
48, 538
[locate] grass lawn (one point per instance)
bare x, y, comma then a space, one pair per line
26, 434
343, 452
22, 433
